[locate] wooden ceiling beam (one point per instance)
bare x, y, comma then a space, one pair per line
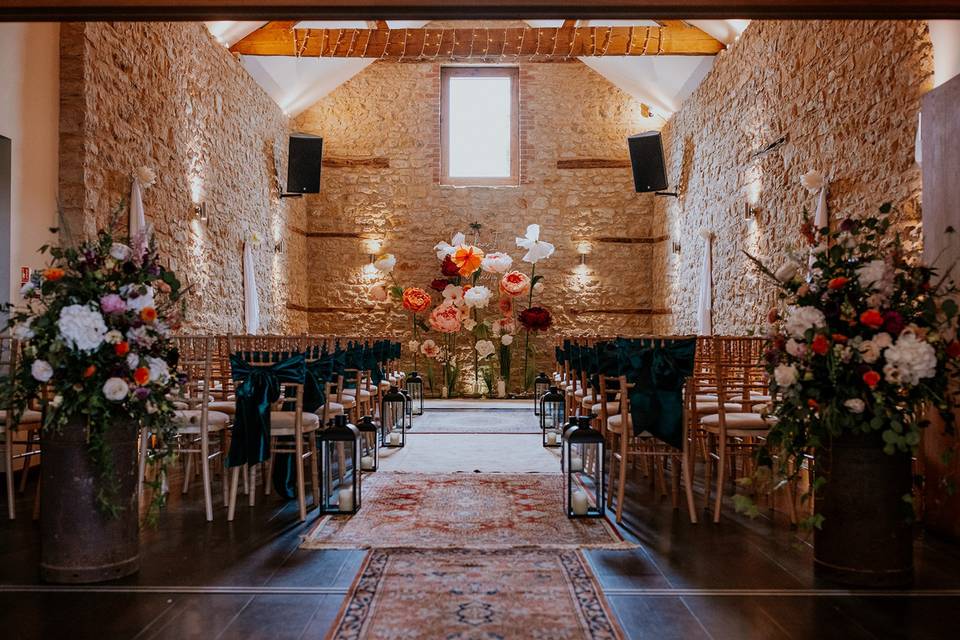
538, 44
63, 10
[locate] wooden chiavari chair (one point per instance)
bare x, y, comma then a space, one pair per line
24, 432
291, 431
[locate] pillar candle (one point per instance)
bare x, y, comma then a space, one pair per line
366, 463
576, 463
551, 437
394, 438
579, 503
346, 499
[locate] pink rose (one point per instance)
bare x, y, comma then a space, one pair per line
445, 318
112, 303
515, 284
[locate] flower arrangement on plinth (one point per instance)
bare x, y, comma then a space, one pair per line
865, 341
96, 334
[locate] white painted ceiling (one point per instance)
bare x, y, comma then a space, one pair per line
662, 82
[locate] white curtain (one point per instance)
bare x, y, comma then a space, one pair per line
251, 304
705, 304
138, 221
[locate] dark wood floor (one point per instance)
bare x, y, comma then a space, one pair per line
248, 579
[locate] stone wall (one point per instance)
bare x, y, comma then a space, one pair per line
844, 94
166, 95
391, 110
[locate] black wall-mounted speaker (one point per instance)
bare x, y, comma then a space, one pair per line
646, 156
303, 163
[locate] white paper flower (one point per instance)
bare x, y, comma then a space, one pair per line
538, 288
137, 301
22, 331
506, 340
385, 263
82, 327
537, 249
469, 324
41, 370
496, 262
485, 349
159, 370
453, 294
812, 181
379, 293
147, 177
120, 251
477, 297
871, 275
909, 360
788, 271
443, 249
855, 405
115, 389
429, 348
413, 345
799, 319
785, 374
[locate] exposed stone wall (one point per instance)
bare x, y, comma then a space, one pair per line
845, 94
166, 95
392, 110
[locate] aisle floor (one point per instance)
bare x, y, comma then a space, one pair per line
249, 578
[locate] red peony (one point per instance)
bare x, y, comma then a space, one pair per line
820, 345
872, 378
872, 318
536, 319
449, 268
415, 299
837, 283
893, 323
439, 284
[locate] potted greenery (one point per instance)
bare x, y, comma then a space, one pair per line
98, 358
864, 343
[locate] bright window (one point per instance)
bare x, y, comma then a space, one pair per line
480, 126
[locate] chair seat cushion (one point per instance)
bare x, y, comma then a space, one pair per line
739, 421
614, 422
587, 401
225, 406
613, 407
348, 402
334, 408
188, 420
28, 417
384, 385
282, 422
353, 393
707, 406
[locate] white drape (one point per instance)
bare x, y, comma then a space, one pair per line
251, 303
138, 221
705, 304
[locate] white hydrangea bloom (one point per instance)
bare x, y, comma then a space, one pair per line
785, 374
82, 327
909, 360
799, 319
159, 370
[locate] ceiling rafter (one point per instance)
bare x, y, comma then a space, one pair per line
539, 44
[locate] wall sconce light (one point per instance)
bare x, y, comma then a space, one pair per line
373, 247
583, 248
200, 211
676, 247
278, 246
749, 213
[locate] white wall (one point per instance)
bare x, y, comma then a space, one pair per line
945, 36
29, 116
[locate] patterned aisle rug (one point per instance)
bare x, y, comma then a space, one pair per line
476, 421
475, 594
466, 510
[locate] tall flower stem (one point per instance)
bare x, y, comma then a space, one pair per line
416, 338
526, 332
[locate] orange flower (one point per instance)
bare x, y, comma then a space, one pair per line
872, 318
872, 378
813, 404
148, 314
839, 337
89, 371
53, 274
415, 299
820, 345
468, 259
837, 283
141, 376
121, 348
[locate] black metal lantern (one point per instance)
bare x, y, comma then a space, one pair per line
409, 408
369, 444
552, 416
393, 418
415, 389
340, 467
540, 386
585, 456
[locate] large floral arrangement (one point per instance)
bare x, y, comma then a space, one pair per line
864, 342
477, 298
95, 328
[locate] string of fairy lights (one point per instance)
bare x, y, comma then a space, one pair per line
446, 43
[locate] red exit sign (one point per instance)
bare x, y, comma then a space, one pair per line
24, 275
